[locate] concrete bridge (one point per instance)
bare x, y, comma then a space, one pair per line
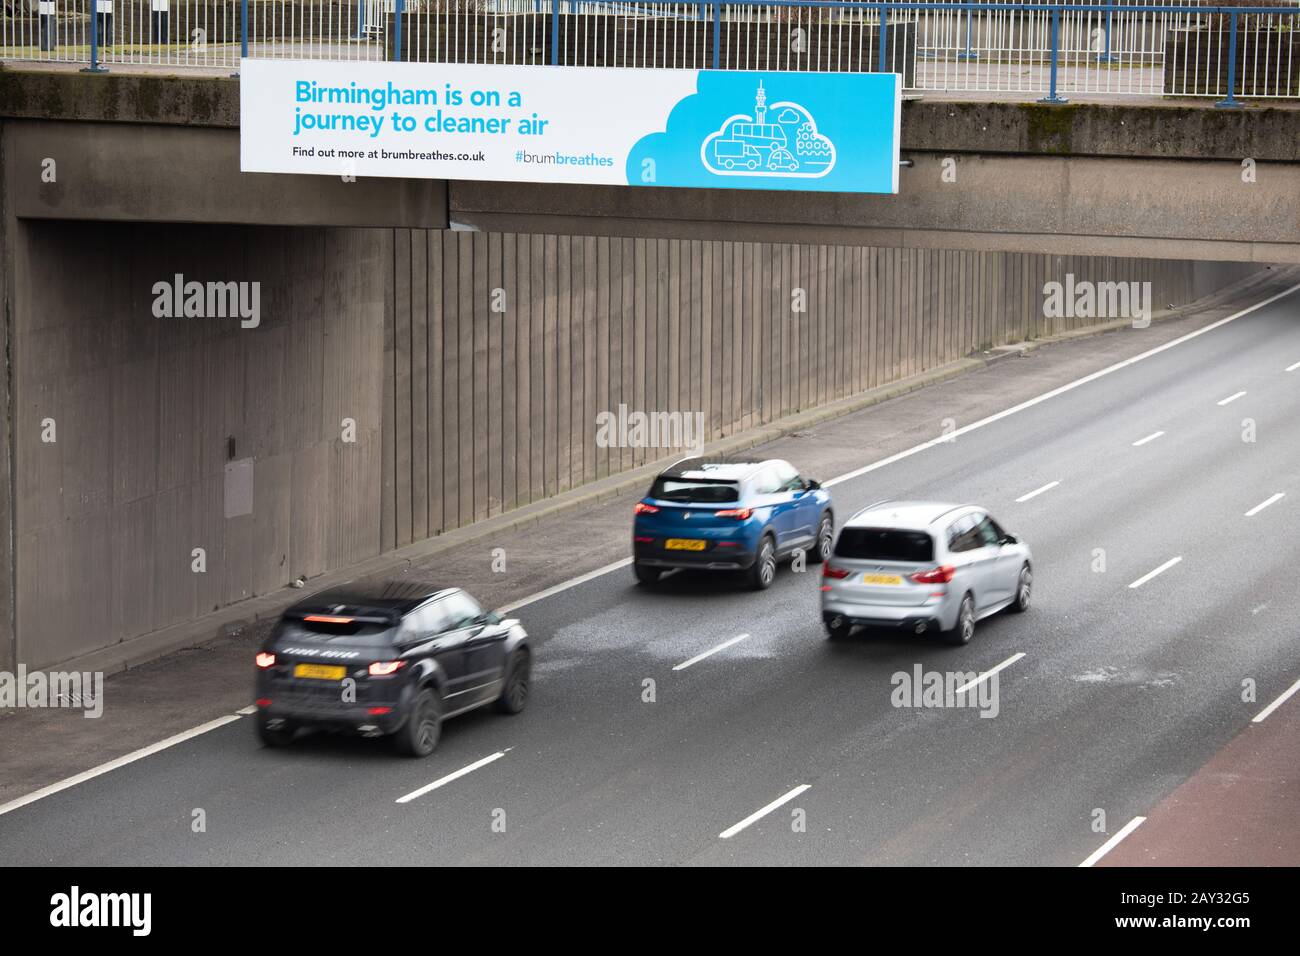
163, 472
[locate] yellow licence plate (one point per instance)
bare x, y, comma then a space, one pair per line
684, 544
319, 671
881, 579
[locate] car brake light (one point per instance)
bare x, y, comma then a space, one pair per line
830, 571
642, 539
263, 702
265, 660
642, 508
378, 711
940, 575
327, 619
384, 668
740, 514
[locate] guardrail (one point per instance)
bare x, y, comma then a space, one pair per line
1038, 48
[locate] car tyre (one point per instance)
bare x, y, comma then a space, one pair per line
821, 550
519, 670
1024, 590
763, 571
646, 575
419, 735
281, 735
965, 629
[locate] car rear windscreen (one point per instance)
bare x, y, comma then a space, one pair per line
694, 491
885, 544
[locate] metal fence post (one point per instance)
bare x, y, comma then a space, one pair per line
717, 33
884, 34
1051, 96
1105, 56
361, 20
968, 54
94, 39
1231, 102
398, 8
555, 32
243, 33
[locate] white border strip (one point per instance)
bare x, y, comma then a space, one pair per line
1114, 841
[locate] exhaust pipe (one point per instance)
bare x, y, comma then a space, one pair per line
920, 627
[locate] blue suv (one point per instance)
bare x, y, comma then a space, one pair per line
728, 515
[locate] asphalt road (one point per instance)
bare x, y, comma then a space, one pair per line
1121, 693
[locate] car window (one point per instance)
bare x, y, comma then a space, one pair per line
766, 482
965, 534
885, 544
787, 477
694, 492
990, 532
432, 619
461, 609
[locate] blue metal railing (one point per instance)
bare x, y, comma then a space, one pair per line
973, 46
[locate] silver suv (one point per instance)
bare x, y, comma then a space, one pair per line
923, 566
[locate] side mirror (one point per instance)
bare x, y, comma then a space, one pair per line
812, 485
1009, 539
492, 617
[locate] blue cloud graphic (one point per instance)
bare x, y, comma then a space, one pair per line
827, 132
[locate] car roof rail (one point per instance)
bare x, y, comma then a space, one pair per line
943, 514
871, 507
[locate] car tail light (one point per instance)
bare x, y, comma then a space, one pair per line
740, 514
263, 702
384, 668
940, 575
327, 619
726, 544
265, 660
642, 539
831, 571
642, 508
378, 711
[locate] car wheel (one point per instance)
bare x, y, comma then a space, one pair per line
763, 571
419, 735
825, 540
519, 670
965, 629
837, 628
645, 575
280, 735
1024, 590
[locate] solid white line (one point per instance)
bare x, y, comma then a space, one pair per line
1142, 441
442, 781
759, 814
709, 653
1292, 368
563, 586
1265, 503
1060, 390
989, 673
1111, 843
119, 762
1286, 694
1230, 398
1160, 570
1037, 491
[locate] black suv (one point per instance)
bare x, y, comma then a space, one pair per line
391, 659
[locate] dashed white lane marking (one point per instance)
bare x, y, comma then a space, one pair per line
563, 586
710, 652
119, 762
1152, 437
1230, 398
989, 673
1160, 570
1292, 368
1286, 694
1265, 503
1114, 841
759, 814
443, 781
1037, 491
